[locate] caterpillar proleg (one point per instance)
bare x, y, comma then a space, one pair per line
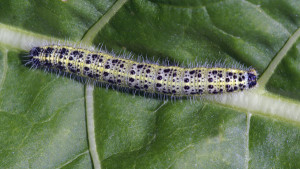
151, 78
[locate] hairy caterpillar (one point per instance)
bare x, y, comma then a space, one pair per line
151, 78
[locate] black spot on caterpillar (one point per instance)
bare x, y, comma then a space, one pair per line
151, 78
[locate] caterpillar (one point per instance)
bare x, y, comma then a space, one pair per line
151, 78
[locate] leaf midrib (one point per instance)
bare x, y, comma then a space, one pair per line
89, 90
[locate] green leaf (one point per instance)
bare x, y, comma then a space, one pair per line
50, 121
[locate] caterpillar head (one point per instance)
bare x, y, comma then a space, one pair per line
252, 78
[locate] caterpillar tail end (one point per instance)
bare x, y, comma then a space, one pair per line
34, 52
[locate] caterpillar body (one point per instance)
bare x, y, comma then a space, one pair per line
151, 78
